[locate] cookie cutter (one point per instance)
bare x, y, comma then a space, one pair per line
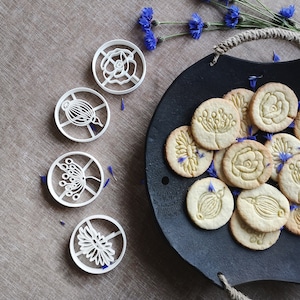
82, 114
75, 179
119, 67
93, 249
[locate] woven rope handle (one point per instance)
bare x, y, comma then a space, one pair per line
255, 34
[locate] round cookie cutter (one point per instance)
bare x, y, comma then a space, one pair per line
119, 67
75, 179
82, 114
95, 242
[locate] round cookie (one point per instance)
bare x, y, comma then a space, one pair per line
293, 222
209, 203
273, 107
218, 164
289, 179
249, 237
282, 147
241, 98
264, 208
215, 124
247, 164
184, 156
297, 126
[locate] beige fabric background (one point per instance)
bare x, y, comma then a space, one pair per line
46, 49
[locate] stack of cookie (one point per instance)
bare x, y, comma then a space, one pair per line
221, 140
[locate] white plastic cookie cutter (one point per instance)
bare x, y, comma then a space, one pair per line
75, 179
119, 67
94, 251
82, 114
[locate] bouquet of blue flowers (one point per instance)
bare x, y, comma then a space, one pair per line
238, 14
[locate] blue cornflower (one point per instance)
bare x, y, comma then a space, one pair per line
231, 19
146, 18
287, 12
150, 40
196, 26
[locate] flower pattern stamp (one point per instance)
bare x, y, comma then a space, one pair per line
75, 179
82, 115
273, 107
184, 156
119, 67
247, 164
215, 124
94, 251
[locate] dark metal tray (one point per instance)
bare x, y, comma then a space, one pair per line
212, 251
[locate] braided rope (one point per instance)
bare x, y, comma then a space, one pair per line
255, 34
232, 292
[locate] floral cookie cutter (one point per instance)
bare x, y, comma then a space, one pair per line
119, 67
75, 179
98, 244
82, 114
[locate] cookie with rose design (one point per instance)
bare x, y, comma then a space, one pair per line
209, 203
264, 208
247, 164
183, 154
215, 124
241, 99
273, 107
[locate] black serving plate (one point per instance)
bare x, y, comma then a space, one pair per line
215, 251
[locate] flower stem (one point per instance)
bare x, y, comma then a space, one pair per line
163, 38
156, 23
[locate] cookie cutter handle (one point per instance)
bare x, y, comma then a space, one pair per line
254, 34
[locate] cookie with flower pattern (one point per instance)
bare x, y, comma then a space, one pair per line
264, 208
249, 237
282, 147
209, 203
289, 179
293, 222
183, 154
241, 98
215, 124
273, 107
247, 164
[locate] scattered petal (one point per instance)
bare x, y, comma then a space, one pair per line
106, 182
276, 57
253, 81
181, 159
110, 170
62, 223
212, 171
43, 179
211, 188
122, 104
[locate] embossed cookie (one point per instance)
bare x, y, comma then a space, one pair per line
264, 208
273, 107
289, 179
297, 125
282, 147
184, 156
215, 124
218, 165
293, 222
249, 237
209, 203
247, 164
241, 98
